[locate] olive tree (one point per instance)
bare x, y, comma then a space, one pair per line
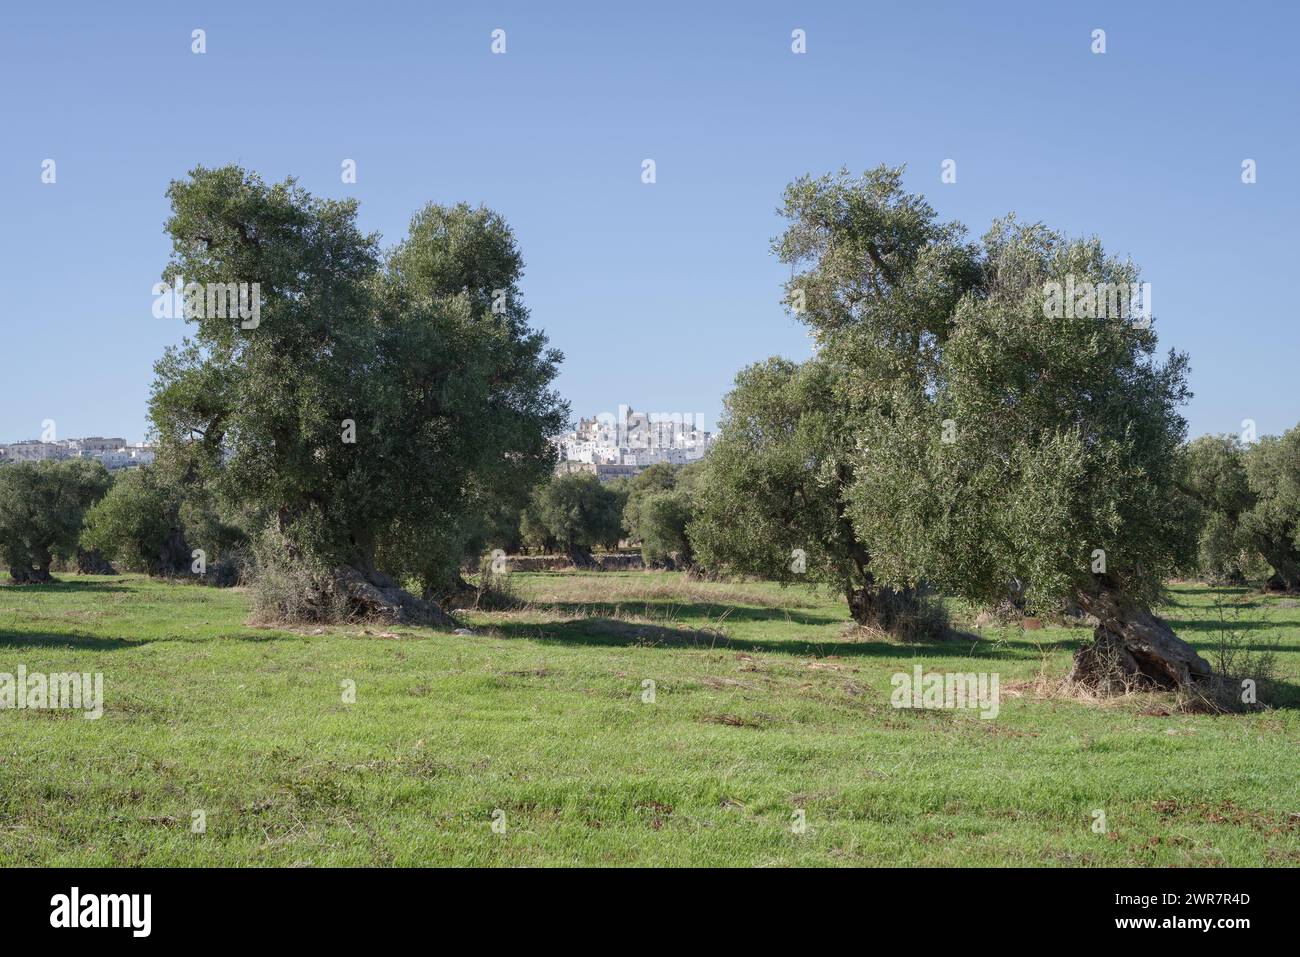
1272, 524
1247, 498
137, 524
1046, 457
578, 513
772, 494
875, 277
659, 477
42, 508
665, 518
966, 432
1212, 475
373, 400
149, 523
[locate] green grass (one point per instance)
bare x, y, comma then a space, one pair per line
764, 706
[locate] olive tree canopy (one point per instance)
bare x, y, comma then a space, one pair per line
958, 427
42, 507
375, 400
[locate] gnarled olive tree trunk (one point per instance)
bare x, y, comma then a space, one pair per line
1132, 647
174, 555
354, 591
367, 593
37, 572
1286, 570
92, 562
31, 575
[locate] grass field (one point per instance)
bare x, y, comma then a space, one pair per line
764, 705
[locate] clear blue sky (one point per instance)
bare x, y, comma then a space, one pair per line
656, 294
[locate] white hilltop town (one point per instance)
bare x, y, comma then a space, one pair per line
608, 446
619, 446
115, 453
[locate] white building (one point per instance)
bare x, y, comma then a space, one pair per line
114, 453
34, 450
634, 440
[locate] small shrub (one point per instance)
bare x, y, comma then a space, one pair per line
290, 590
931, 620
928, 620
495, 591
1236, 658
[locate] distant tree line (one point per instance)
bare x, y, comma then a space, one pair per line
572, 514
1246, 498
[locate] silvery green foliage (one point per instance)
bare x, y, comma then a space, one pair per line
1068, 433
947, 430
1247, 498
135, 523
42, 508
1272, 523
664, 519
657, 478
449, 398
150, 522
776, 480
1212, 474
577, 513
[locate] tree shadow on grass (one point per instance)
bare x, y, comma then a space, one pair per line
1204, 635
1199, 588
1212, 625
620, 633
712, 611
65, 587
65, 639
1283, 695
